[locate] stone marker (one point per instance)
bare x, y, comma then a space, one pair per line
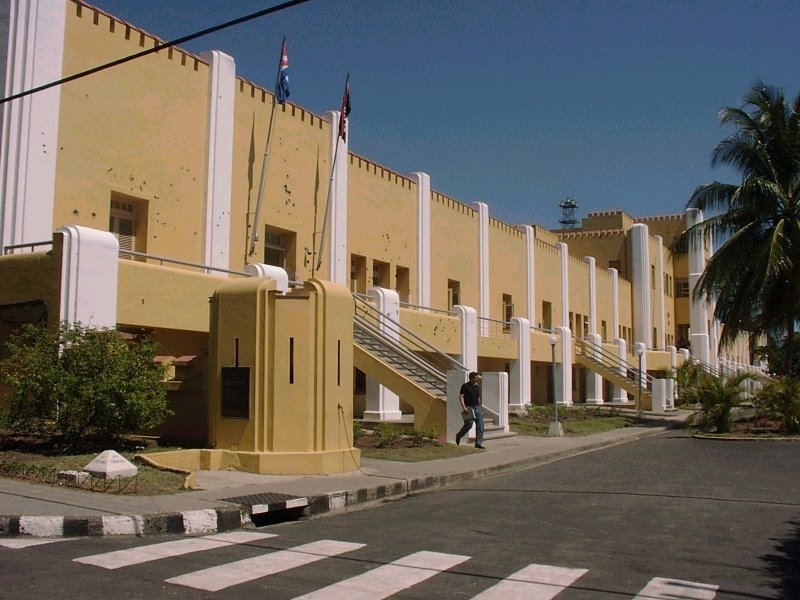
111, 464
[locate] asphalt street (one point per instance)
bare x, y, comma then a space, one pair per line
663, 517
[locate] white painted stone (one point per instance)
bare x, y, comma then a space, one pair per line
123, 525
111, 464
200, 521
42, 526
74, 477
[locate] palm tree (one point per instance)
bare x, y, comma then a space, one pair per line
754, 276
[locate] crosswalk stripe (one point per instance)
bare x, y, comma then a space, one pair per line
18, 543
135, 556
389, 579
242, 571
534, 582
660, 588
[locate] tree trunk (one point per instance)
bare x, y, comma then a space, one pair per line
789, 347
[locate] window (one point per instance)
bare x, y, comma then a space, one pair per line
279, 249
615, 264
402, 284
681, 287
604, 330
453, 293
380, 274
652, 276
358, 274
508, 311
127, 221
547, 315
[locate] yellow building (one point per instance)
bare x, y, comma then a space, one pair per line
149, 175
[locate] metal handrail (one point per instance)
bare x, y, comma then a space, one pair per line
30, 245
413, 339
611, 360
428, 308
371, 330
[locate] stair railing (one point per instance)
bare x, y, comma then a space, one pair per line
612, 361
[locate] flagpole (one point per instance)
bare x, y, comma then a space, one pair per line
265, 159
342, 126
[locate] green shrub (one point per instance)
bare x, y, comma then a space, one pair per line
387, 434
780, 399
418, 437
82, 381
717, 397
689, 378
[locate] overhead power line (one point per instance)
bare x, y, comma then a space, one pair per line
156, 48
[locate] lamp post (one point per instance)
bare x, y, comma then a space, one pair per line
555, 426
640, 410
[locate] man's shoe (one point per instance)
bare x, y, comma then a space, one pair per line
458, 440
480, 447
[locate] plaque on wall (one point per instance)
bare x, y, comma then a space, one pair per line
235, 392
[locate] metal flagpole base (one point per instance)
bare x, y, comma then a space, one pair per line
555, 429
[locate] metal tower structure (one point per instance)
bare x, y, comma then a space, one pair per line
568, 220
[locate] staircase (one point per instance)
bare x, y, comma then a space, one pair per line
408, 366
616, 370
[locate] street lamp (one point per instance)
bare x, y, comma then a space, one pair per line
555, 427
639, 350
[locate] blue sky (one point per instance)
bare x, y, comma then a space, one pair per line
518, 104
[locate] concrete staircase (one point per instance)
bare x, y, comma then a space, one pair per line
616, 370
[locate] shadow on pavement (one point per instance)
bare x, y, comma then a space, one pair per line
783, 563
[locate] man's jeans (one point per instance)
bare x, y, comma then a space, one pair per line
478, 426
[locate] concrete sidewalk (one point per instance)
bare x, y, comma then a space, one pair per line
228, 500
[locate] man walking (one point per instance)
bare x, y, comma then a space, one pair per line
470, 399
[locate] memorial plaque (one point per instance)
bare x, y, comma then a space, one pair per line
236, 392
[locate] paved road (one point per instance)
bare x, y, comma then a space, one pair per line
666, 517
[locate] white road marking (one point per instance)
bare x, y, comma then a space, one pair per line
18, 543
242, 571
135, 556
389, 579
675, 589
534, 582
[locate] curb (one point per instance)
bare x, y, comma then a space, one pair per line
344, 500
186, 522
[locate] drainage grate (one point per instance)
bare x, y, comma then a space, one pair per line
269, 502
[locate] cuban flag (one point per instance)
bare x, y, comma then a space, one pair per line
345, 110
282, 86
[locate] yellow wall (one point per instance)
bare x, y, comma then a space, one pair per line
507, 268
454, 250
548, 282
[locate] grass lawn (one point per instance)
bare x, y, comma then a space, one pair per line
575, 420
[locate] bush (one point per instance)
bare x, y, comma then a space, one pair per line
781, 399
689, 379
387, 434
717, 397
82, 381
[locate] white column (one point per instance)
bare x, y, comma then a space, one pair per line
89, 275
521, 367
530, 271
336, 226
594, 382
640, 281
219, 159
483, 264
381, 403
564, 366
661, 315
563, 255
468, 318
618, 394
614, 303
32, 56
698, 313
494, 395
423, 181
673, 368
591, 265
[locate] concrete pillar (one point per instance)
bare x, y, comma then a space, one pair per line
520, 385
494, 394
563, 255
219, 160
468, 318
383, 404
564, 366
423, 181
594, 382
89, 275
271, 271
673, 367
640, 282
31, 54
660, 316
698, 316
530, 271
336, 225
617, 393
483, 265
615, 302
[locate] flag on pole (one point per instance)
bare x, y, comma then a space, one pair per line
282, 85
345, 110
